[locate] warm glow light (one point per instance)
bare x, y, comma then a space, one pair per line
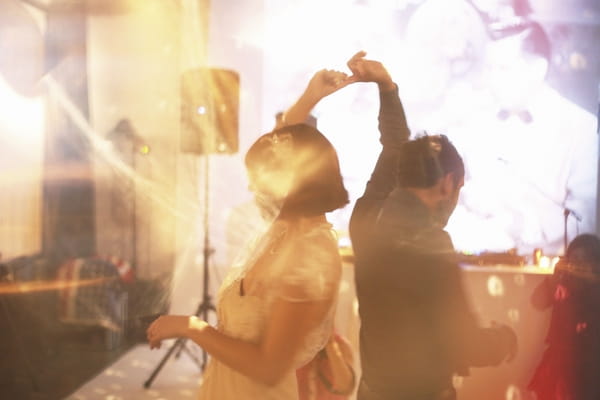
22, 146
41, 286
495, 286
344, 242
22, 118
513, 315
545, 262
457, 381
513, 393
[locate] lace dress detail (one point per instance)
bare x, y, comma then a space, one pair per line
308, 269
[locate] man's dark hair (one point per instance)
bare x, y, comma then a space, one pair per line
427, 159
317, 185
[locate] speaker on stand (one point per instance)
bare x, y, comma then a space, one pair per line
209, 125
209, 111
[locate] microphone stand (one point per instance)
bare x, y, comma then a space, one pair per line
598, 166
566, 211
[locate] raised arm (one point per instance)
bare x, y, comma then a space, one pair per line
322, 84
394, 132
393, 126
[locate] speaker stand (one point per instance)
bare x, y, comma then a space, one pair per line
206, 305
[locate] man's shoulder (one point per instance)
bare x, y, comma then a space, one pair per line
429, 241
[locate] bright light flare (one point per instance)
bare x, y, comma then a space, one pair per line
495, 286
545, 262
145, 149
514, 315
513, 393
24, 117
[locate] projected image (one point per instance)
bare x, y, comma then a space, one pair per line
530, 153
500, 78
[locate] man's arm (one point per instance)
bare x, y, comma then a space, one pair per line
471, 345
394, 132
393, 126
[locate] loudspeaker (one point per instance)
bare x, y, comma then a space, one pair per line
209, 111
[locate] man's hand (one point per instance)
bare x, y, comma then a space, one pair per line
364, 70
510, 341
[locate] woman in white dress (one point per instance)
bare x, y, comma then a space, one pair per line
275, 312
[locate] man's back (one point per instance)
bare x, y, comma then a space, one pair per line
410, 318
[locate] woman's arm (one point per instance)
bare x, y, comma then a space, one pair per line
267, 361
322, 84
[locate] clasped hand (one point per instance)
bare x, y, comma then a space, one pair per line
327, 81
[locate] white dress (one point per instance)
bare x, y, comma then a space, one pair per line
312, 267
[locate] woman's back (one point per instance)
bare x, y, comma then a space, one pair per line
298, 263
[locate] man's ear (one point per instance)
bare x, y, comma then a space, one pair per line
447, 184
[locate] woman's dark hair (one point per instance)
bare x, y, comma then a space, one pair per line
423, 161
317, 185
589, 245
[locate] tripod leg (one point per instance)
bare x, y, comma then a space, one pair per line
206, 304
199, 311
178, 343
192, 356
208, 307
202, 311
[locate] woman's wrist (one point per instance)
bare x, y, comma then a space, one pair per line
194, 326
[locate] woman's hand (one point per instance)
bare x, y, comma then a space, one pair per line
327, 81
322, 84
167, 327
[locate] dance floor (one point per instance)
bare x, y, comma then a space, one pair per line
124, 380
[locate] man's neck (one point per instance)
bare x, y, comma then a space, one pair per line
426, 195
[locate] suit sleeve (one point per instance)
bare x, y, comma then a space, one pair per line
471, 345
393, 129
